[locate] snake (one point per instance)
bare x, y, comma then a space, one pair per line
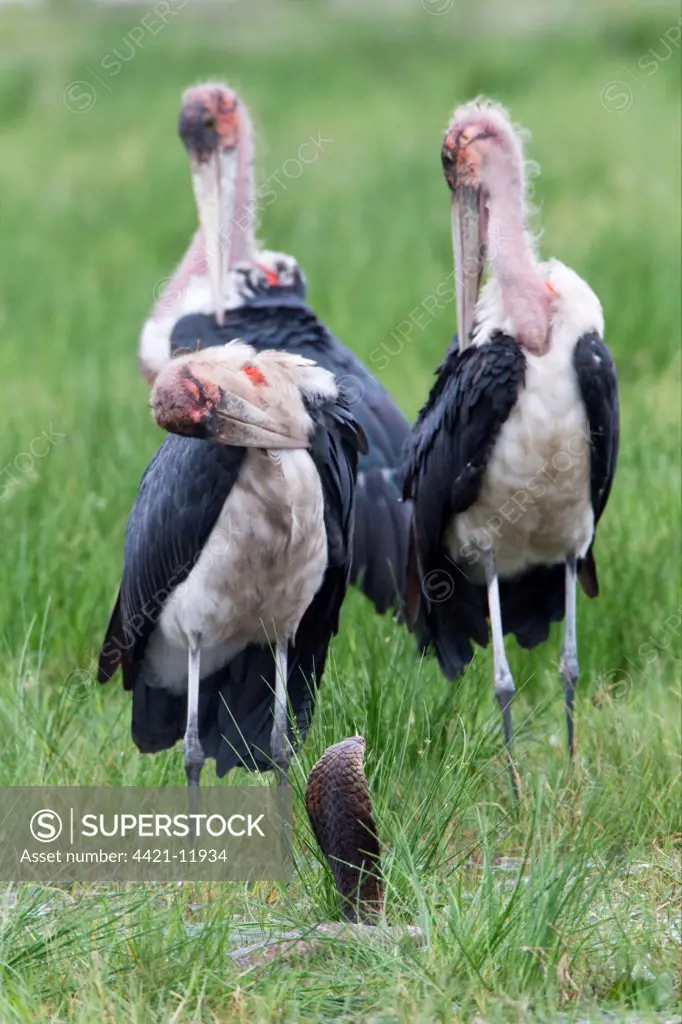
339, 807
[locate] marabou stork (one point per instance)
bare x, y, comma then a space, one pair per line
238, 545
511, 460
227, 287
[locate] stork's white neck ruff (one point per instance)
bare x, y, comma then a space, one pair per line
575, 309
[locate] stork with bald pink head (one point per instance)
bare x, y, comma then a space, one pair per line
227, 286
236, 558
511, 461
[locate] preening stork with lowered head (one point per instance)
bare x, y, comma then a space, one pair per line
227, 287
510, 463
236, 559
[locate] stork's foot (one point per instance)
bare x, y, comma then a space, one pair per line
569, 677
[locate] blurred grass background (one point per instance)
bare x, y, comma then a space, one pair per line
572, 904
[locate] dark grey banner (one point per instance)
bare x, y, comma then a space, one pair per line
144, 834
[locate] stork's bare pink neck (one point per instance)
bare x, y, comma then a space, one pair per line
525, 300
243, 246
192, 264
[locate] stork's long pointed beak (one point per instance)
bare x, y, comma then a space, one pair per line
214, 180
468, 245
240, 423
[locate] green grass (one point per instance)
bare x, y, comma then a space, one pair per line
569, 907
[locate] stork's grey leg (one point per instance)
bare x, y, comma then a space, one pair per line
194, 752
504, 683
569, 652
279, 739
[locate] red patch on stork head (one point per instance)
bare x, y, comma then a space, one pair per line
192, 388
254, 374
271, 276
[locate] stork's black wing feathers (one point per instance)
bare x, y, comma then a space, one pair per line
448, 450
380, 544
598, 385
180, 497
382, 521
335, 447
599, 390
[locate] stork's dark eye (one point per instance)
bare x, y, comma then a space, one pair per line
209, 121
447, 157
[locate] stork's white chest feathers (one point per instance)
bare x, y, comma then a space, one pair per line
260, 568
534, 505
